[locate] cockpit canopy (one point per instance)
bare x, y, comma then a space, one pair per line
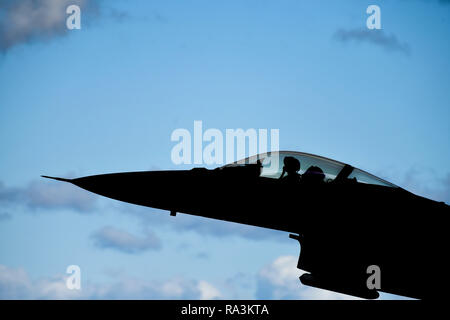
272, 167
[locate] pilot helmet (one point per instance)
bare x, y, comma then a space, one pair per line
291, 164
313, 174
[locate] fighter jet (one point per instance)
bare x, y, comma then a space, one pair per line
358, 234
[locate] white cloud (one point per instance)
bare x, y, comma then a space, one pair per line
16, 284
54, 288
173, 288
280, 280
208, 291
281, 271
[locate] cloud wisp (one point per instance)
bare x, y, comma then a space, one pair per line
112, 238
30, 21
43, 195
376, 37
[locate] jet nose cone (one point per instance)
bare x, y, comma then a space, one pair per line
158, 189
148, 188
56, 178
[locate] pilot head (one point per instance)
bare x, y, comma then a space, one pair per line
291, 165
313, 175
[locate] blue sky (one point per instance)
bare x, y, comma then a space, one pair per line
106, 98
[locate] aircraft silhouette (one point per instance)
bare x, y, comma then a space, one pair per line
344, 218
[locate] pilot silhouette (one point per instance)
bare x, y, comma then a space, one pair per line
313, 175
291, 167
